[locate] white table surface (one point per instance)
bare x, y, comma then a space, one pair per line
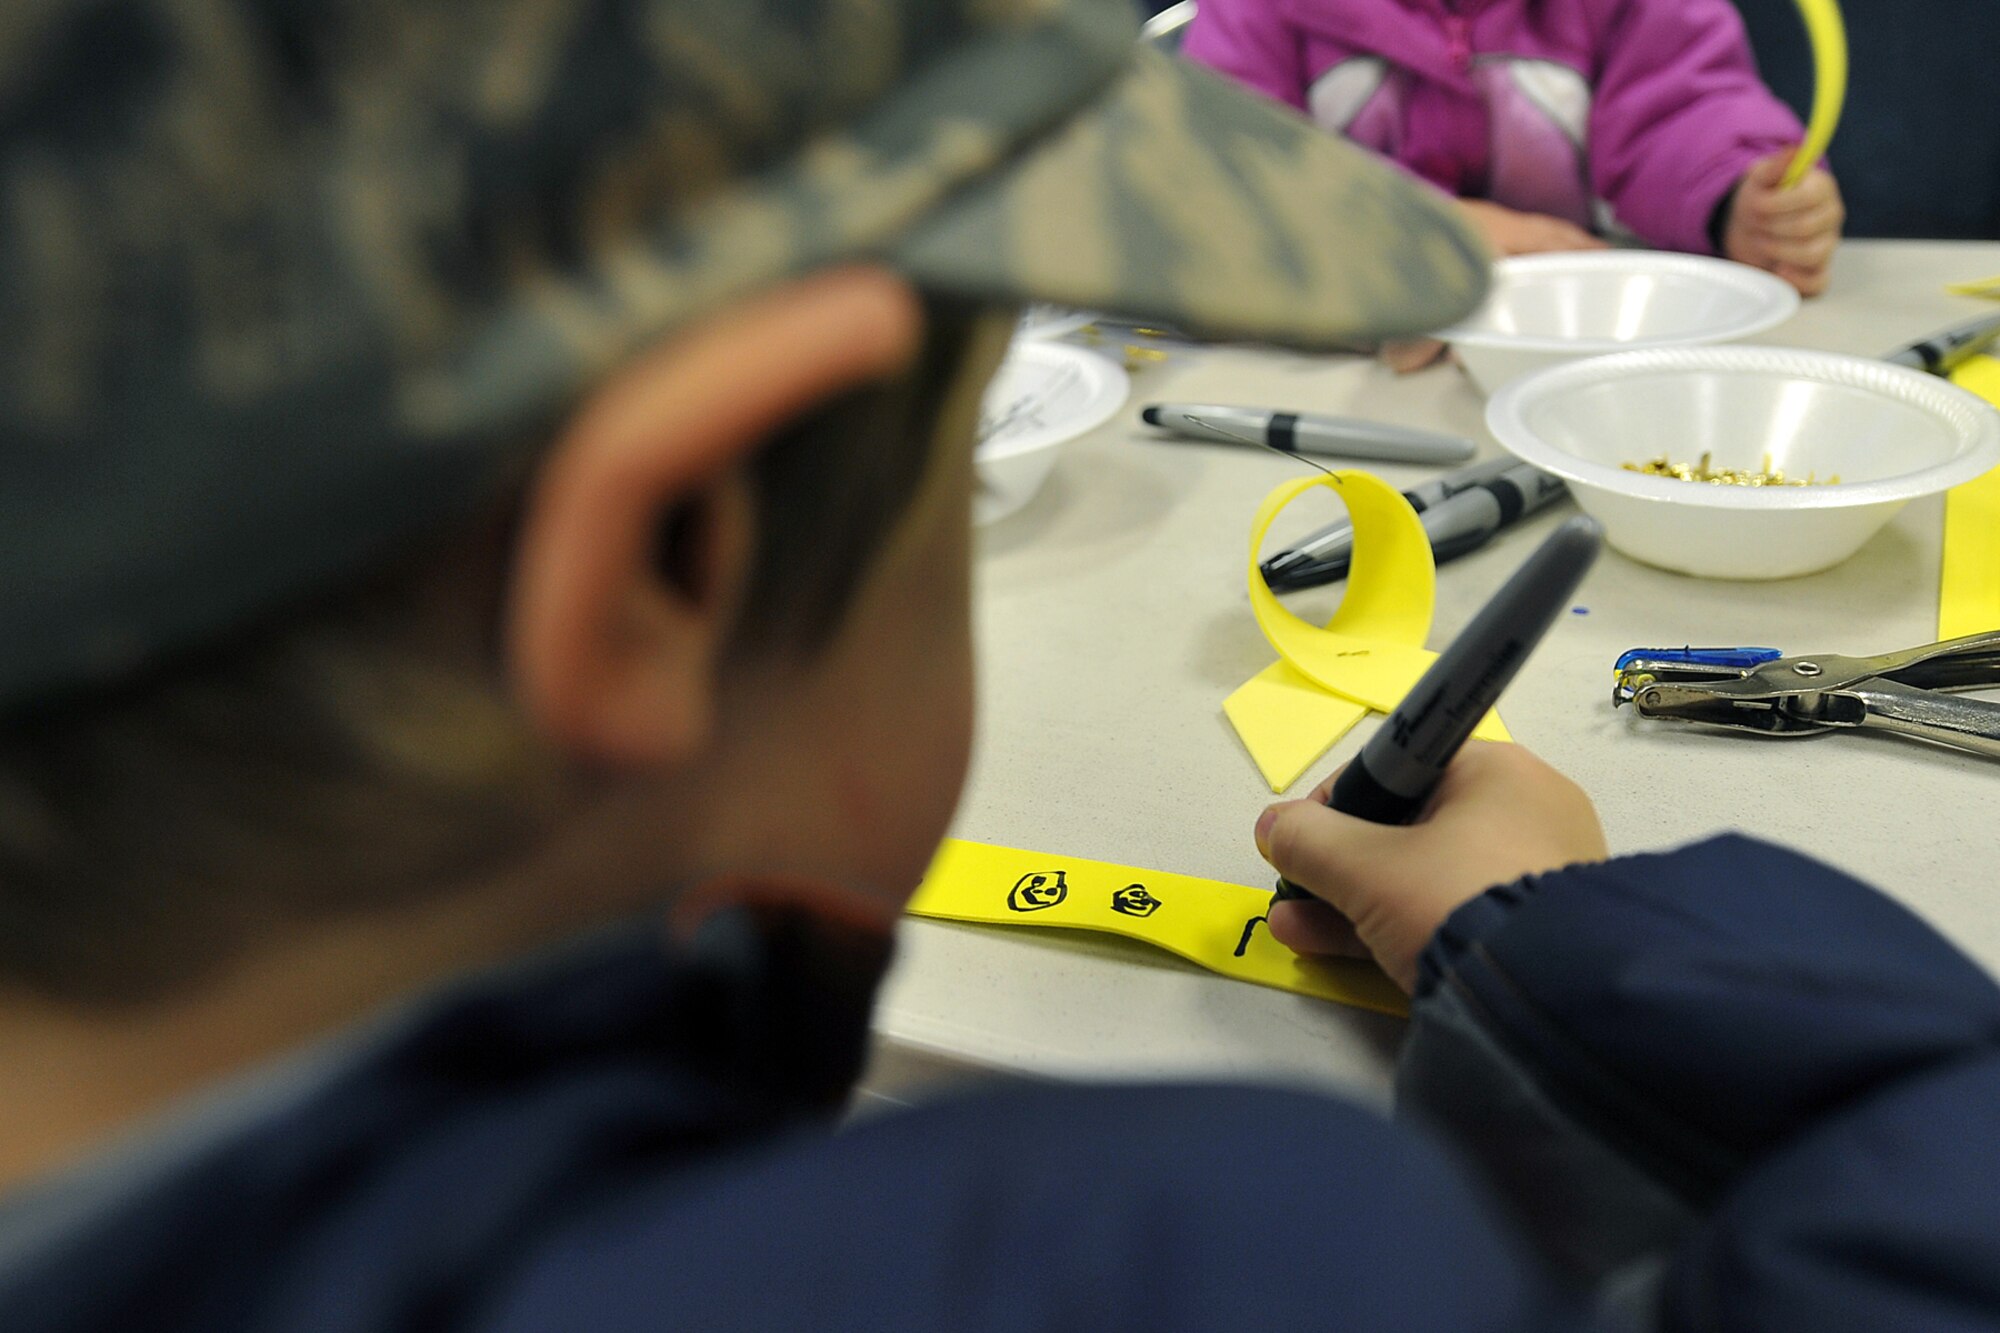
1113, 620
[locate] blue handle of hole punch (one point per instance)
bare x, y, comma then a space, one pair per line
1731, 659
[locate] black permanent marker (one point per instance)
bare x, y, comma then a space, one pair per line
1392, 779
1336, 539
1947, 349
1463, 521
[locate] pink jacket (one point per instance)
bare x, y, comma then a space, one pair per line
1633, 115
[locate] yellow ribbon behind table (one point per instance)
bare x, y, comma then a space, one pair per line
1986, 287
1828, 33
1365, 659
1969, 586
1219, 926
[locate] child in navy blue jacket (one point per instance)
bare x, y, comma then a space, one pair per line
486, 495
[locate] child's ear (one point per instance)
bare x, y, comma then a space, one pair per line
640, 530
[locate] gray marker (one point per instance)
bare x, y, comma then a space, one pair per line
1391, 780
1463, 521
1948, 349
1304, 433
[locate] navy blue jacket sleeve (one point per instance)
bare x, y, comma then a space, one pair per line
1733, 1067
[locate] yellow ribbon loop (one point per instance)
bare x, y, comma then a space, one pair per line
1365, 659
1828, 32
1969, 588
1216, 925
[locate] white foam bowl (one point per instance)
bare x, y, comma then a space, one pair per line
1043, 395
1546, 309
1892, 435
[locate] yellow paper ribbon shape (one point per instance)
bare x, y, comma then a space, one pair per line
1986, 287
1828, 32
1365, 659
1216, 925
1969, 586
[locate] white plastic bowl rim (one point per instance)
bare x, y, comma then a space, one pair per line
1971, 419
1771, 300
1100, 386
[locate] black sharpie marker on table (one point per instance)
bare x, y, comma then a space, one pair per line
1948, 349
1392, 779
1306, 433
1334, 543
1460, 513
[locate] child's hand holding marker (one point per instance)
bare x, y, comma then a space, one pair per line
1791, 231
1382, 890
1415, 825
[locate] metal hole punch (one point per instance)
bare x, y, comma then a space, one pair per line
1911, 693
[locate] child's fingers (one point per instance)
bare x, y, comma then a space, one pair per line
1808, 281
1822, 219
1508, 231
1553, 235
1789, 205
1405, 355
1499, 814
1812, 253
1768, 173
1309, 926
1317, 848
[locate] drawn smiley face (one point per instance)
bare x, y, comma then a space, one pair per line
1039, 891
1134, 900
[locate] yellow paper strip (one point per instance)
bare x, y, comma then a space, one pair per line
1829, 46
1969, 586
1986, 287
1215, 925
1365, 659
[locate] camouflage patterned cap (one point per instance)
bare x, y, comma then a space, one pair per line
287, 283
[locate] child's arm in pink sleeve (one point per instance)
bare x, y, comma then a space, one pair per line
1251, 43
1680, 116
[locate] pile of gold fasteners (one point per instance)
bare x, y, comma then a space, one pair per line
1138, 354
1727, 476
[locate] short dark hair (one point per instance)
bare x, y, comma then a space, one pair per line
360, 750
832, 501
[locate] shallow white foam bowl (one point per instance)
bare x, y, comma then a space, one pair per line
1043, 395
1547, 309
1892, 435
